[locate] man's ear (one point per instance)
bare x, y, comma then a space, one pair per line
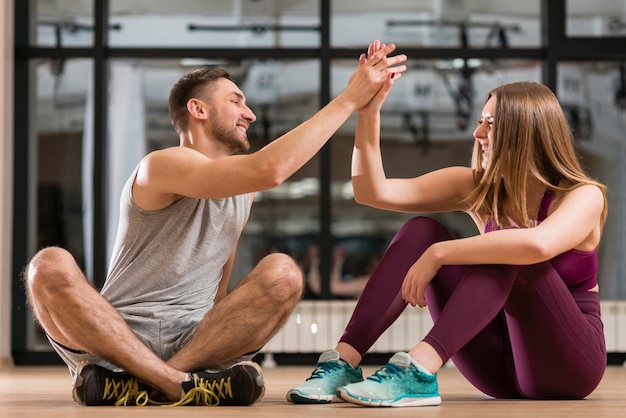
197, 109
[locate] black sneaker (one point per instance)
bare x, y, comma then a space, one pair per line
240, 385
96, 385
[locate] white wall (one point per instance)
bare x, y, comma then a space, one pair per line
6, 176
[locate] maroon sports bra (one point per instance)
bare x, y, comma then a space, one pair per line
578, 269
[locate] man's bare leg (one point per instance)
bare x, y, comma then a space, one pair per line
247, 318
75, 315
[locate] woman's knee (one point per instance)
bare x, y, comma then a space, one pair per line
424, 229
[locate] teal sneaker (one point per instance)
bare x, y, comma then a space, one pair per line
399, 383
331, 373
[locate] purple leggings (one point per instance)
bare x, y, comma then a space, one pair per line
537, 340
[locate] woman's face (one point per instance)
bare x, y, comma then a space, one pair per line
484, 131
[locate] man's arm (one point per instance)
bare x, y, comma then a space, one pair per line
227, 270
185, 172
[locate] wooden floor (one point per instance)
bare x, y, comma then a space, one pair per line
45, 392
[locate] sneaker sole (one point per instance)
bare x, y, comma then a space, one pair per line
296, 396
396, 403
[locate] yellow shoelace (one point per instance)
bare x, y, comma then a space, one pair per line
206, 392
125, 390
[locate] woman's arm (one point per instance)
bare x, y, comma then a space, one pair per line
442, 190
439, 191
574, 223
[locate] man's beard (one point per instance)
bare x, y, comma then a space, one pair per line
231, 138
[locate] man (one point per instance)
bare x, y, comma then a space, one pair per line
163, 327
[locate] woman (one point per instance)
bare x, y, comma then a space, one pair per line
516, 307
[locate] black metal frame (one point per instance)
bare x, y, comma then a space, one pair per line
556, 47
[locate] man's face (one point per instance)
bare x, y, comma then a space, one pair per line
229, 116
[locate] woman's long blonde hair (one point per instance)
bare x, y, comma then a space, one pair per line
531, 137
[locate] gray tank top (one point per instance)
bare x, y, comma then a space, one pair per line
167, 264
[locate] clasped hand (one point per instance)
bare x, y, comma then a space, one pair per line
375, 69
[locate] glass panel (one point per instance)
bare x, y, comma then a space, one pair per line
219, 23
281, 94
57, 147
426, 123
285, 219
61, 106
593, 95
443, 23
595, 18
63, 23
